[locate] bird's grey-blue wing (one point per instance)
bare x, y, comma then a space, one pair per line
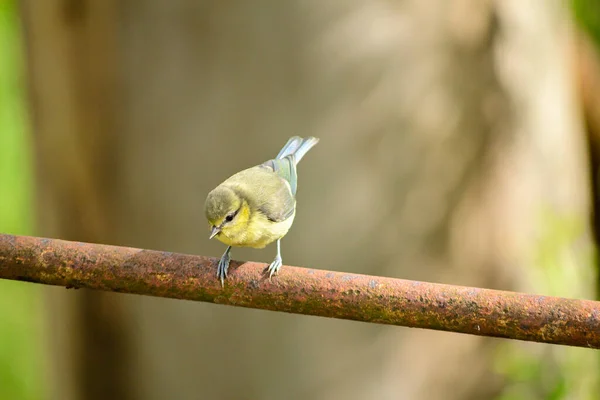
286, 169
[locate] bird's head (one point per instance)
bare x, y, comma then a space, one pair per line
222, 209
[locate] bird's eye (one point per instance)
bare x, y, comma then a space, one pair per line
231, 216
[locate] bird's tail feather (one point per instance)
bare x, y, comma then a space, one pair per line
304, 147
290, 155
290, 147
298, 147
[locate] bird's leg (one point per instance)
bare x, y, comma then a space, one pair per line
223, 266
276, 264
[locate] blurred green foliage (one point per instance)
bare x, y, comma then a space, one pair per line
587, 15
563, 265
20, 310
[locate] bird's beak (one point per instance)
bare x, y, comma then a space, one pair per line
214, 231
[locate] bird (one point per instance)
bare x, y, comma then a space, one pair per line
256, 206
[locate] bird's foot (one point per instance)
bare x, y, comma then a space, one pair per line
275, 266
223, 267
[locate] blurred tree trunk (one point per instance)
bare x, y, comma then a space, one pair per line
587, 54
72, 59
451, 146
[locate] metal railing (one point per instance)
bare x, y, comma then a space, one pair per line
307, 291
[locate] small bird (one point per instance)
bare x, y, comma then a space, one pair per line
257, 206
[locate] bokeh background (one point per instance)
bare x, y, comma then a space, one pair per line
460, 143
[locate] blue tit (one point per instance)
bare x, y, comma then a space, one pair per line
257, 206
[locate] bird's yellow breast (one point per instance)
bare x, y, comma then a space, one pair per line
254, 229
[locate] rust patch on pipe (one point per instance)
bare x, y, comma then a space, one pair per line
482, 312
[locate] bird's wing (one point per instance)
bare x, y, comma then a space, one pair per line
265, 190
286, 169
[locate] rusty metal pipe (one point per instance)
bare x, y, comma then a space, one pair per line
307, 291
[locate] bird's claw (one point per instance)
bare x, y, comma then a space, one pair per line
275, 266
223, 267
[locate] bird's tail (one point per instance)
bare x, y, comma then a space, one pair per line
297, 147
290, 155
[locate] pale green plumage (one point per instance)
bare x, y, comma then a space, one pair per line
257, 206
